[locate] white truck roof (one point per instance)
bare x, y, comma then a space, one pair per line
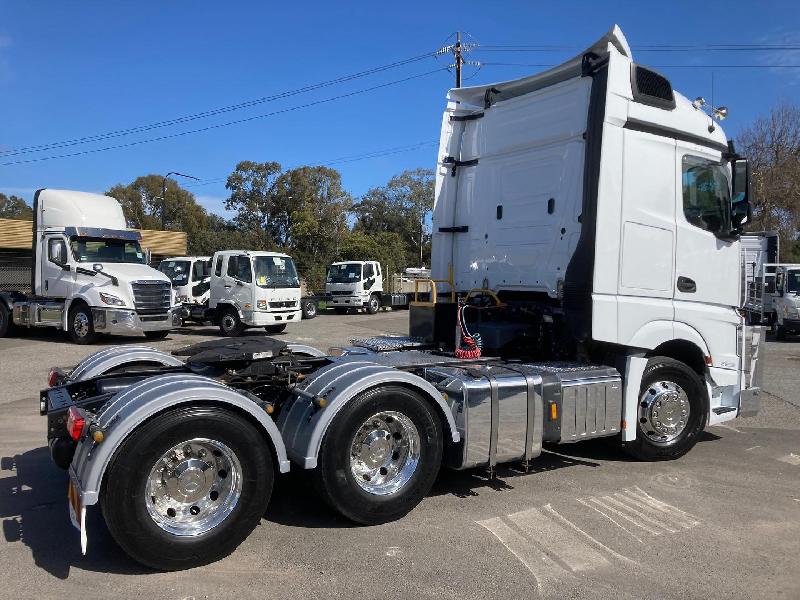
186, 258
353, 262
58, 209
252, 253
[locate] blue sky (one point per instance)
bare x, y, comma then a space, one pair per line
75, 69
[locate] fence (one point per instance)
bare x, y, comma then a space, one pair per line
15, 273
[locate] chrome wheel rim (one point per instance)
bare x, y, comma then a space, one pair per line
664, 411
193, 487
385, 453
228, 322
80, 324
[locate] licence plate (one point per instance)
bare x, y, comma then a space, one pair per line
77, 512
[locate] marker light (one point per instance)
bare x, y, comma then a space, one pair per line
75, 423
53, 377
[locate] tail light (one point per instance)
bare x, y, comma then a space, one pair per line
75, 423
53, 377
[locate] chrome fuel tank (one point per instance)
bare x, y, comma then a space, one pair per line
505, 411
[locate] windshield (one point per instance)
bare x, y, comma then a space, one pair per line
346, 273
275, 272
86, 249
793, 282
176, 270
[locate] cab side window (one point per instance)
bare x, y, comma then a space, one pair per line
218, 267
368, 271
233, 266
57, 251
245, 272
706, 194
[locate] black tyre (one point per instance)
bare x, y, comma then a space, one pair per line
156, 335
374, 304
81, 325
168, 521
340, 310
380, 456
309, 309
273, 329
230, 324
780, 332
5, 320
673, 410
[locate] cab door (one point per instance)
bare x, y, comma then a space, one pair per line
240, 279
707, 269
58, 277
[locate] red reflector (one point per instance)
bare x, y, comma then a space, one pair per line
52, 377
75, 423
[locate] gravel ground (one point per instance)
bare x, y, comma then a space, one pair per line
587, 522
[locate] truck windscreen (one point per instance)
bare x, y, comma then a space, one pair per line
275, 272
346, 273
102, 250
176, 270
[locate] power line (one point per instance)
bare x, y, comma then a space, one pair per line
649, 48
338, 161
212, 112
227, 123
717, 66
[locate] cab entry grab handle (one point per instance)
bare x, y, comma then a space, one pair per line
686, 285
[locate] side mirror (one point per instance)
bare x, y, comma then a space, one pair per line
741, 209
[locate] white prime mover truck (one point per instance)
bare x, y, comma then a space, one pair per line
584, 226
354, 284
252, 288
191, 281
89, 273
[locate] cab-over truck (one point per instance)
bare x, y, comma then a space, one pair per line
586, 249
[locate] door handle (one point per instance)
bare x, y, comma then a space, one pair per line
686, 285
227, 287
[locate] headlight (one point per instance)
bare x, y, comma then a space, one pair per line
262, 304
180, 299
111, 299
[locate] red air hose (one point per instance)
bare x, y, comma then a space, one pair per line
469, 347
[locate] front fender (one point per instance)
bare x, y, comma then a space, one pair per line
655, 333
110, 358
303, 425
131, 407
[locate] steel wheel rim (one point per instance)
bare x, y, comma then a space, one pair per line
193, 487
80, 324
374, 303
664, 411
311, 309
228, 322
384, 453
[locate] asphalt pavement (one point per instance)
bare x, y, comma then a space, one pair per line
586, 522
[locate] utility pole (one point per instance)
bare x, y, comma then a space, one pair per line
164, 195
459, 58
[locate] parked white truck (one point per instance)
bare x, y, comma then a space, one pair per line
191, 282
354, 284
89, 273
584, 223
253, 289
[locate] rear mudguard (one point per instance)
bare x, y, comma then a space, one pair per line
103, 361
144, 400
303, 424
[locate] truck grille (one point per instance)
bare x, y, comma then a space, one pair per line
151, 297
283, 304
342, 293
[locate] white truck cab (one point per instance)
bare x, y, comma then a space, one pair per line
786, 299
253, 289
89, 273
354, 284
191, 281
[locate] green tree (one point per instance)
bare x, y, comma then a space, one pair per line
143, 205
403, 206
772, 145
255, 199
387, 247
14, 207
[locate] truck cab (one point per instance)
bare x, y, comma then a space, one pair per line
191, 281
89, 274
786, 299
354, 284
253, 289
